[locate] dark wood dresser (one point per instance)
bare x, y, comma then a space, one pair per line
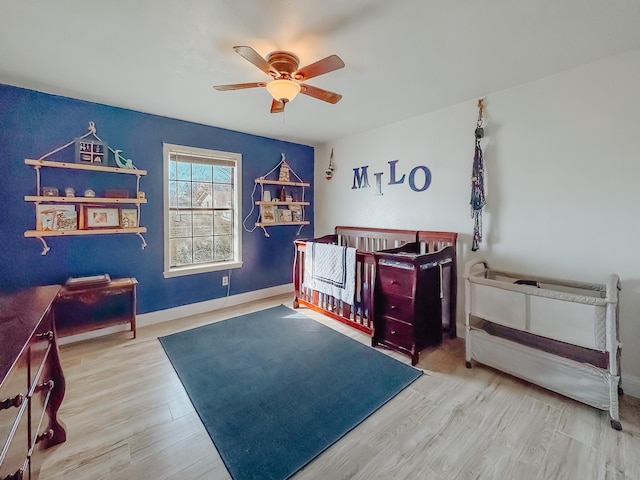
408, 292
31, 381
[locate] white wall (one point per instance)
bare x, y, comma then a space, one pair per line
563, 182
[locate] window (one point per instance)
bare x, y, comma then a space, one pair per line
201, 210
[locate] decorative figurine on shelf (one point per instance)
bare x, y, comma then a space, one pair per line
89, 193
49, 192
283, 194
69, 192
284, 171
122, 162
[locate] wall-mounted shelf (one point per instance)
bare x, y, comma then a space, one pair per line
262, 180
279, 207
82, 166
108, 202
42, 199
277, 224
260, 202
71, 233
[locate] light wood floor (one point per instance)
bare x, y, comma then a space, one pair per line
128, 417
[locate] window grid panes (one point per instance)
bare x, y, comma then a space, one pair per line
201, 211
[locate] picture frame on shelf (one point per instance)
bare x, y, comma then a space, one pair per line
296, 213
128, 217
284, 215
65, 218
98, 216
52, 217
268, 213
92, 152
44, 217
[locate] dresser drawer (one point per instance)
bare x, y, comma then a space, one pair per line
39, 348
14, 451
394, 280
400, 308
13, 395
397, 333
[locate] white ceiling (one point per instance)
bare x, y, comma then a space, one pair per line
403, 57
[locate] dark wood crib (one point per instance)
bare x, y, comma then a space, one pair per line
368, 241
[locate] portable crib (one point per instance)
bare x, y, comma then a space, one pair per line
559, 334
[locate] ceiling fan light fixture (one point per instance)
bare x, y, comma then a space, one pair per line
283, 90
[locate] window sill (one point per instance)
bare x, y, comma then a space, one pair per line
193, 270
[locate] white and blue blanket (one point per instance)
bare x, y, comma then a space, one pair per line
330, 269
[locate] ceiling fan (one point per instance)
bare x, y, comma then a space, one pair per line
287, 77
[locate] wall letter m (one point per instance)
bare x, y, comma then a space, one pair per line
360, 178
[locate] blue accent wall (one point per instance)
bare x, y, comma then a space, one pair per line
33, 124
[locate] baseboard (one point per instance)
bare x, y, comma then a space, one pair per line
159, 316
630, 385
211, 305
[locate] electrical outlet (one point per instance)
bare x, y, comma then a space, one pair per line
225, 281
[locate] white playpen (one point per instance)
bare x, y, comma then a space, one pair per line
559, 334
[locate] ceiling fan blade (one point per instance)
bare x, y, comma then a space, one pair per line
326, 65
320, 94
239, 86
277, 107
255, 58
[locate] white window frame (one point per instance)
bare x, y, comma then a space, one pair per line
203, 153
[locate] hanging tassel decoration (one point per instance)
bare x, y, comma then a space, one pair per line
478, 199
328, 173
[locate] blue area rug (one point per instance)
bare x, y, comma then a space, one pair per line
275, 389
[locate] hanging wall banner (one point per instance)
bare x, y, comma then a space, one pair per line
418, 179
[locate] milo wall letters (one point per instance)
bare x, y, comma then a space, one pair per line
419, 178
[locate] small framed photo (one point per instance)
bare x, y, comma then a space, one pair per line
91, 151
56, 217
101, 217
65, 218
296, 213
44, 217
268, 213
284, 215
128, 217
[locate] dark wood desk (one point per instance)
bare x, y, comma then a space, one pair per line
85, 308
32, 384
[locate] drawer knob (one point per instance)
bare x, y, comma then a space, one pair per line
393, 307
393, 332
12, 402
394, 282
48, 335
45, 386
48, 435
19, 475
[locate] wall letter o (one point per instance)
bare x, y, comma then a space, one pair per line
427, 178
